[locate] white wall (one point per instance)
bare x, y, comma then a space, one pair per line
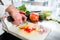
17, 3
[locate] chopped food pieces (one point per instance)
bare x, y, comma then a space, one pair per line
42, 29
30, 27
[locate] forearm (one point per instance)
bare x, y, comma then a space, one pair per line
11, 9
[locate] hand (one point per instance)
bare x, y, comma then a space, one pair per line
18, 17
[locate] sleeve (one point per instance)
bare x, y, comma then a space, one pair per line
2, 11
3, 7
6, 3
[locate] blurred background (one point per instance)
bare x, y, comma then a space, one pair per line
38, 5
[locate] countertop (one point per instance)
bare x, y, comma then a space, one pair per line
53, 26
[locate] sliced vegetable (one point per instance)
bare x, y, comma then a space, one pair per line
28, 29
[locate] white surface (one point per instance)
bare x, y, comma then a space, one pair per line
17, 3
38, 8
55, 14
41, 0
6, 3
2, 10
54, 26
1, 31
32, 36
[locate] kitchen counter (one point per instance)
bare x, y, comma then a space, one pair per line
53, 26
20, 34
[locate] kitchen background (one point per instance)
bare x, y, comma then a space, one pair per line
37, 5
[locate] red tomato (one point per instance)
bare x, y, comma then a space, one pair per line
28, 29
34, 17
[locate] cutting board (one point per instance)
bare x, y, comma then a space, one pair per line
32, 36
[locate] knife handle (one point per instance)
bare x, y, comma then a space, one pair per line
10, 19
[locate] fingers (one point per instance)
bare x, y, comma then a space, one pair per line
17, 19
17, 22
24, 18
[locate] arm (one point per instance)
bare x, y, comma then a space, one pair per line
11, 9
14, 13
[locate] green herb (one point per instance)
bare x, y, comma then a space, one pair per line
23, 8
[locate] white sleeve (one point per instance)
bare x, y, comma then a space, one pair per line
6, 3
3, 7
2, 10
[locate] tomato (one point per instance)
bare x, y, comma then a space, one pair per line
28, 29
34, 17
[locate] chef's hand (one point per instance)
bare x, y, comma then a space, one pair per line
15, 15
18, 18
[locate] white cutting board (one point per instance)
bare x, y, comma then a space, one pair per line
32, 36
